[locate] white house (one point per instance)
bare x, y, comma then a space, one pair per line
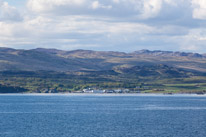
87, 91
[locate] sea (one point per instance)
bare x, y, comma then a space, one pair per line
94, 115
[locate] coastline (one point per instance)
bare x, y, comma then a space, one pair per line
101, 94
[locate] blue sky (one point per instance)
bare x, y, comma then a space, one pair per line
16, 3
115, 25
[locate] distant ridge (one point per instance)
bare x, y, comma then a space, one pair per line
170, 53
89, 60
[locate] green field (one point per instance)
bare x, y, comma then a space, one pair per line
43, 81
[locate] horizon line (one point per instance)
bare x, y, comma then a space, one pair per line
149, 50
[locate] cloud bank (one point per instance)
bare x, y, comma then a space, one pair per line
123, 25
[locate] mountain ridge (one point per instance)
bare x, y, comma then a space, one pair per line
81, 60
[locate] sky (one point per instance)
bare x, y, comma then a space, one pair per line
104, 25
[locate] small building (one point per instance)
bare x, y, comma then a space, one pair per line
97, 91
118, 91
126, 90
87, 91
90, 90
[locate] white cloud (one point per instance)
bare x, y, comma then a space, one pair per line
142, 8
8, 13
151, 8
135, 9
96, 5
49, 5
5, 29
68, 31
199, 11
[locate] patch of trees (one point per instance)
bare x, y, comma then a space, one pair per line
9, 89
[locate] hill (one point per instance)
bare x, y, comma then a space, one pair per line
81, 60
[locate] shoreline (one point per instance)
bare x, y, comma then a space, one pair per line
101, 94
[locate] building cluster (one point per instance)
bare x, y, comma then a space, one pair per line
91, 90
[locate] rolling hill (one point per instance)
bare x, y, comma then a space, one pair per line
88, 60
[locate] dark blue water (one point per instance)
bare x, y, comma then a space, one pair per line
102, 116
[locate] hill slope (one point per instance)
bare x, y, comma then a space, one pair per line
81, 60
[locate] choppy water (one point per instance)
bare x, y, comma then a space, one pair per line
102, 116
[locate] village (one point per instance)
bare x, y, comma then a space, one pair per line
94, 90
